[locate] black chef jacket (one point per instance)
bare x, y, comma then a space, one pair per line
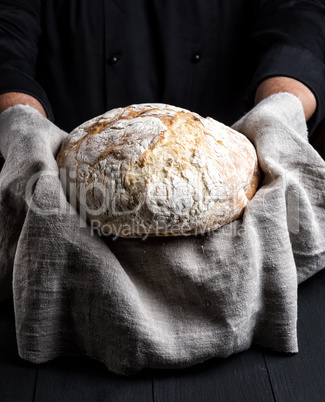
80, 58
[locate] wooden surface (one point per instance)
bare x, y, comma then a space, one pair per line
255, 375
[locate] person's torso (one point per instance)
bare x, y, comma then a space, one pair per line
100, 54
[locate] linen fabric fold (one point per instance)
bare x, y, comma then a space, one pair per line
159, 302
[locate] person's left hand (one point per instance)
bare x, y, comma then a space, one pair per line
275, 85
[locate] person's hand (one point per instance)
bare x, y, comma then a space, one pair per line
10, 99
275, 85
29, 143
273, 124
19, 123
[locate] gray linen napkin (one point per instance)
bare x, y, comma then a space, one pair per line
160, 302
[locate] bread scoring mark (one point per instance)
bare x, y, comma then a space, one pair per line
137, 135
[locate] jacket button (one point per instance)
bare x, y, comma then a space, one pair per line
113, 60
196, 58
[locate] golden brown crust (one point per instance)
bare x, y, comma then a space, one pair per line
158, 170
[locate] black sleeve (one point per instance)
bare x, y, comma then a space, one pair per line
289, 39
19, 33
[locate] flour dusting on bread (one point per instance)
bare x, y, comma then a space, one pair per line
158, 170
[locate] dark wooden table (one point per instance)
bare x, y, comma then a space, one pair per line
254, 375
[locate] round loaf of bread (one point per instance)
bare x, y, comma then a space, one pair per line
157, 170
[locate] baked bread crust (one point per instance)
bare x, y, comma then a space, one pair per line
158, 170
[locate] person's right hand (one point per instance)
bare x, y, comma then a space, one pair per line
10, 99
29, 143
